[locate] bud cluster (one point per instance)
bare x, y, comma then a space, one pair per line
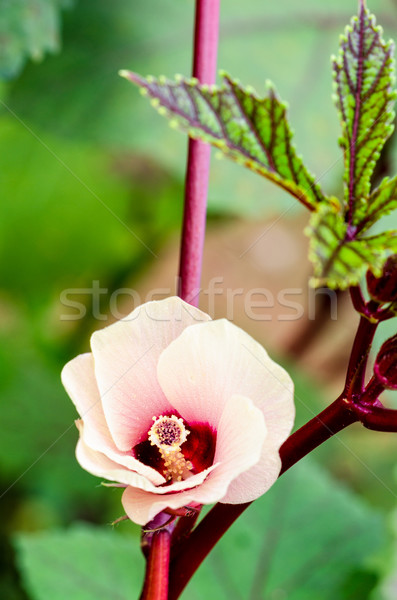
385, 368
383, 289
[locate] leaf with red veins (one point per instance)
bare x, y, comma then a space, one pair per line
364, 95
381, 202
251, 130
340, 261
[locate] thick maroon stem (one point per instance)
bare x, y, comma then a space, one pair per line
315, 432
193, 551
198, 161
355, 377
157, 567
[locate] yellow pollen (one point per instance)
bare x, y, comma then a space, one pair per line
168, 434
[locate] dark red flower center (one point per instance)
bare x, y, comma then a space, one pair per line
177, 449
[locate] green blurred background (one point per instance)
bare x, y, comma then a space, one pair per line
92, 190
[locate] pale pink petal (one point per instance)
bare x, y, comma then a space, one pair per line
201, 369
141, 507
100, 465
78, 377
186, 484
256, 481
126, 355
240, 439
121, 459
242, 433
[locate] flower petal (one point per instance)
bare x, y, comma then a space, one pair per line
201, 369
241, 435
141, 507
256, 481
123, 461
100, 465
126, 355
79, 380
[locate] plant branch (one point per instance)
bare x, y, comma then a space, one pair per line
373, 390
198, 161
157, 567
336, 417
377, 418
193, 551
355, 376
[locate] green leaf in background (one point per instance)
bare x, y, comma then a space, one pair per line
37, 461
339, 261
28, 29
303, 540
364, 76
252, 131
387, 588
307, 538
133, 203
83, 563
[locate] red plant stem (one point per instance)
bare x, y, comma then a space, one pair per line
193, 551
377, 418
198, 161
355, 376
357, 299
157, 567
373, 390
331, 420
182, 531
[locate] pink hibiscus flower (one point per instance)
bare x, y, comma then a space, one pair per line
179, 409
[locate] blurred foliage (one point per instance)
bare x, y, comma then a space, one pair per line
87, 172
386, 588
28, 29
132, 200
306, 538
84, 563
305, 531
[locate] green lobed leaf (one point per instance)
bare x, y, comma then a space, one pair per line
364, 78
381, 202
83, 563
305, 539
28, 29
339, 261
251, 130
